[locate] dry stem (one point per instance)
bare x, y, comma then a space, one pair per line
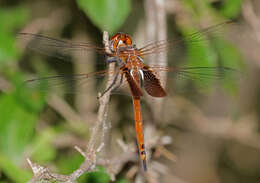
156, 29
251, 17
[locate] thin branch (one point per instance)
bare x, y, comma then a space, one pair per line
64, 109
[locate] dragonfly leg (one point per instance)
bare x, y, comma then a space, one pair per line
119, 84
110, 86
111, 59
116, 59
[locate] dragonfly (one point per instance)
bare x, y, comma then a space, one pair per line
131, 68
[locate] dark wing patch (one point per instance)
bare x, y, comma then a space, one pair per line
152, 84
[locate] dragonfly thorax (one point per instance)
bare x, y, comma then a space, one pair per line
124, 51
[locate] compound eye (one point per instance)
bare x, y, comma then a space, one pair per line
128, 40
116, 36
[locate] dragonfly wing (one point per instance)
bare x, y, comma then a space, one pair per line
205, 76
152, 84
78, 83
170, 45
61, 49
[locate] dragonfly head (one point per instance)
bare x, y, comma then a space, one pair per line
120, 40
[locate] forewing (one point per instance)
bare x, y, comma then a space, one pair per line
58, 48
170, 45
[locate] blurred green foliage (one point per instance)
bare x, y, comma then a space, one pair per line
211, 49
107, 15
11, 19
231, 8
20, 107
12, 171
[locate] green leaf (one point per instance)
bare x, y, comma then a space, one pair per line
42, 147
200, 53
69, 163
209, 50
19, 113
11, 19
99, 176
228, 54
12, 171
30, 98
107, 15
230, 57
231, 8
7, 49
16, 17
16, 127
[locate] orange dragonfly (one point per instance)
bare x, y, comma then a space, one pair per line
131, 67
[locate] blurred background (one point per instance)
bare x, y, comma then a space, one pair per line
196, 134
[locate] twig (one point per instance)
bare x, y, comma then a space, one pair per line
64, 109
80, 151
45, 175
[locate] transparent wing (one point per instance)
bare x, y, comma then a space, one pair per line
78, 83
58, 48
202, 75
170, 45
